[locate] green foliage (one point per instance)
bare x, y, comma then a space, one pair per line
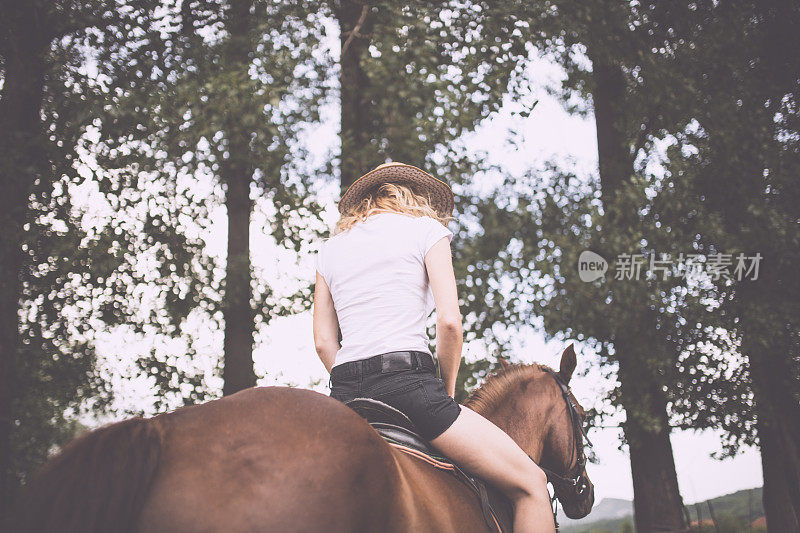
434, 72
136, 103
197, 99
667, 56
64, 289
743, 164
470, 374
56, 370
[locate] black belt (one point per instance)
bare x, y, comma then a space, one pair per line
383, 363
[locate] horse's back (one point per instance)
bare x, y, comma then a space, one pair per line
272, 459
268, 459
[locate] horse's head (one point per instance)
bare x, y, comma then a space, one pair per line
564, 446
534, 405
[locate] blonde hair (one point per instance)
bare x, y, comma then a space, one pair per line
389, 198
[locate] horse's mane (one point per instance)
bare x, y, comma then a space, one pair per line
499, 383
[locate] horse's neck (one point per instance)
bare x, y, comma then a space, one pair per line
523, 419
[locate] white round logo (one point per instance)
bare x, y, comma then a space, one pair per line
591, 266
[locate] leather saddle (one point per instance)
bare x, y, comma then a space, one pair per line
398, 430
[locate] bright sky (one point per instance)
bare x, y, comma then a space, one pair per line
285, 352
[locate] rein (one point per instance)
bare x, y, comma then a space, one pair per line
573, 477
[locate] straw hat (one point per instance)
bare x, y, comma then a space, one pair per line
438, 192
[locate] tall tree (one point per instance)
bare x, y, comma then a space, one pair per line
20, 108
52, 283
605, 49
643, 87
743, 132
106, 75
26, 38
236, 172
414, 77
223, 94
355, 20
657, 503
615, 59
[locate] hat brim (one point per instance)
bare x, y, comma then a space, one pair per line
438, 192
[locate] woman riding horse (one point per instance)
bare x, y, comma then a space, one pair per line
375, 276
292, 460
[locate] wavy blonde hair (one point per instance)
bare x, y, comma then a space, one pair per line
389, 198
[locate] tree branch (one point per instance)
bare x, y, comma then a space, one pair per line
354, 32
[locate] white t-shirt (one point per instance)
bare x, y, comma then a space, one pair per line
377, 278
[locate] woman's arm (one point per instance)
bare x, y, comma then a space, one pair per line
449, 333
326, 324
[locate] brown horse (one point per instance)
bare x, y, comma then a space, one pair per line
283, 459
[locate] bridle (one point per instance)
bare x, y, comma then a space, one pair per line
573, 477
574, 474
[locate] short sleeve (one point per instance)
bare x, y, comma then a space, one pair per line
319, 261
434, 231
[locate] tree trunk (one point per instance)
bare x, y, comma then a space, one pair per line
612, 145
355, 105
778, 429
767, 342
237, 174
657, 501
238, 370
21, 147
770, 306
658, 505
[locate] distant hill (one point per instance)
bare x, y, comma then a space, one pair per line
741, 505
611, 514
606, 509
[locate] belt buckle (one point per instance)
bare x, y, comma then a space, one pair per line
393, 361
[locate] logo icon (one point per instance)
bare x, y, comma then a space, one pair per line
591, 266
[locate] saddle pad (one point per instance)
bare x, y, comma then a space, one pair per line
496, 507
398, 431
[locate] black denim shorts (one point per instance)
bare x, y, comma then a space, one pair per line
411, 388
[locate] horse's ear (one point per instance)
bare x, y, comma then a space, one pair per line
568, 364
504, 362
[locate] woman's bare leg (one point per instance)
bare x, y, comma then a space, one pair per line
480, 447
